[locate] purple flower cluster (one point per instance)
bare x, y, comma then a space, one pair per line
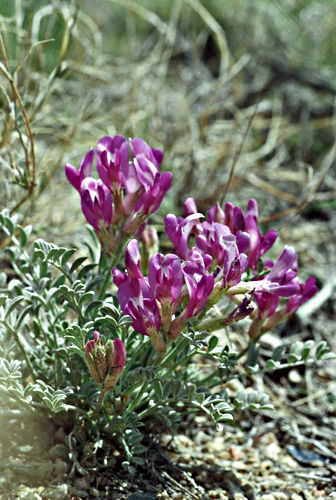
232, 244
129, 189
240, 225
270, 311
221, 255
172, 285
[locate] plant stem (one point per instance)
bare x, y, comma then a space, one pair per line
57, 361
180, 344
207, 379
104, 286
104, 263
63, 271
145, 346
99, 403
137, 398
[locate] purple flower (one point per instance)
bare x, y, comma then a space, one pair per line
233, 218
199, 285
189, 207
74, 176
241, 311
141, 173
118, 277
216, 240
179, 230
165, 277
90, 345
135, 296
119, 359
268, 314
267, 304
140, 149
145, 187
133, 260
136, 299
307, 291
152, 302
246, 229
128, 191
151, 200
139, 177
281, 280
112, 161
96, 203
203, 260
213, 239
216, 214
259, 244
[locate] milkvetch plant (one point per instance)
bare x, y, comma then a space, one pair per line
116, 339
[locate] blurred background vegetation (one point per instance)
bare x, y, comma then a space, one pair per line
239, 94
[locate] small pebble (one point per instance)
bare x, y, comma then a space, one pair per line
81, 493
318, 493
94, 492
236, 453
266, 464
81, 483
57, 493
60, 468
234, 386
276, 495
213, 494
25, 493
294, 377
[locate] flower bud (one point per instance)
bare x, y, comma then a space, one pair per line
150, 239
105, 361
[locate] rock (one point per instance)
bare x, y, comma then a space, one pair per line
61, 467
59, 492
25, 493
82, 483
142, 496
94, 492
177, 496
